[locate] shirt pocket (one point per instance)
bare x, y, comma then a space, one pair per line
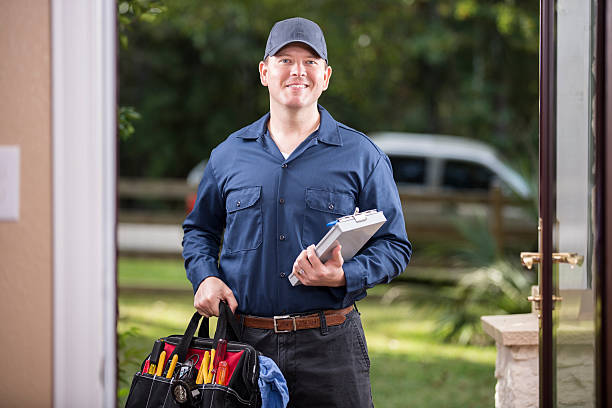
244, 227
323, 207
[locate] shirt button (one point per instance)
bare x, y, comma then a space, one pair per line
330, 206
284, 165
282, 201
282, 237
283, 274
237, 203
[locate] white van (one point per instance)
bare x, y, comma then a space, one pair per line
437, 163
443, 179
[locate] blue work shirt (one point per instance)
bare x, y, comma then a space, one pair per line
272, 208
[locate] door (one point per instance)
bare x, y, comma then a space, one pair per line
567, 203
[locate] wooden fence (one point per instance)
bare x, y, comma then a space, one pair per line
174, 191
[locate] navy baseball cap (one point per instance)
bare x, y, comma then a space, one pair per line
296, 29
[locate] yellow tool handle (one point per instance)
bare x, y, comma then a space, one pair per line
160, 364
202, 374
172, 366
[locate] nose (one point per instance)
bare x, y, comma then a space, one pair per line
298, 69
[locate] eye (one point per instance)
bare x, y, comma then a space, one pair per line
284, 61
311, 62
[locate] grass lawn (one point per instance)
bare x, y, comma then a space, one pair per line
411, 367
152, 273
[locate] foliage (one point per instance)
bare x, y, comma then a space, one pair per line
478, 246
501, 288
129, 356
468, 68
129, 11
127, 115
495, 286
133, 10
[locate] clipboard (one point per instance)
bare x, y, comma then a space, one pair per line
351, 231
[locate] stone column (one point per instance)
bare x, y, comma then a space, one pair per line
516, 367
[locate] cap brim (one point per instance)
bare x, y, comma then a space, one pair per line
276, 49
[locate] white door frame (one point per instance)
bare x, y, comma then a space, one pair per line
84, 202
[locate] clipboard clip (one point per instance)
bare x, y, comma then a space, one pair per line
357, 216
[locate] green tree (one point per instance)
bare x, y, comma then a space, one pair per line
127, 12
467, 68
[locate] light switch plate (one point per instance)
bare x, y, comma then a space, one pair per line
9, 183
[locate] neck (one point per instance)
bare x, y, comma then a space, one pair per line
290, 127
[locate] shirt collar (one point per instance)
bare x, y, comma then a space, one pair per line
328, 129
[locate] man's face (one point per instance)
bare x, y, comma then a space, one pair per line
296, 76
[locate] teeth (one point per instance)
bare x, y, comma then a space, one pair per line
297, 86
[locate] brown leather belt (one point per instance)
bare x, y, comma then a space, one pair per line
286, 324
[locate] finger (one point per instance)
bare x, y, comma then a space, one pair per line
214, 308
200, 305
303, 255
313, 258
301, 273
203, 311
231, 301
298, 259
302, 259
296, 268
306, 266
337, 255
199, 309
301, 276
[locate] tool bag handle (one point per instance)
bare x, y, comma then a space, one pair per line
227, 328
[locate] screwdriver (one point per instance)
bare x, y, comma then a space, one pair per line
219, 356
160, 364
202, 374
222, 374
172, 366
155, 353
209, 374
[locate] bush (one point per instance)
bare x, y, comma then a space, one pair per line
501, 288
129, 355
497, 285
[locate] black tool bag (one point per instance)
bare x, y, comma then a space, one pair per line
180, 390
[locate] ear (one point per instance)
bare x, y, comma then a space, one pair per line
326, 76
263, 73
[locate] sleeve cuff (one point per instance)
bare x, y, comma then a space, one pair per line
354, 277
198, 274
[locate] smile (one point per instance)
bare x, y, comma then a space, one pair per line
300, 86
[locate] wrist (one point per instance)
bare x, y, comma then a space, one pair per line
341, 280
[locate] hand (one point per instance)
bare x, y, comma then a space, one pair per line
311, 272
210, 292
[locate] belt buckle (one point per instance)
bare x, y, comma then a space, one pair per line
277, 318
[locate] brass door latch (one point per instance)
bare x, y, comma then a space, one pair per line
537, 299
528, 259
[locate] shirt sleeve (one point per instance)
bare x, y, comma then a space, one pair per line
202, 229
388, 252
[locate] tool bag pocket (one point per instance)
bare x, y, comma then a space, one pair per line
150, 391
180, 384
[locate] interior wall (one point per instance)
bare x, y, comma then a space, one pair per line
25, 245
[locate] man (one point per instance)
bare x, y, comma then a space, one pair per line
273, 186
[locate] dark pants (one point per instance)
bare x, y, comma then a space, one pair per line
323, 368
